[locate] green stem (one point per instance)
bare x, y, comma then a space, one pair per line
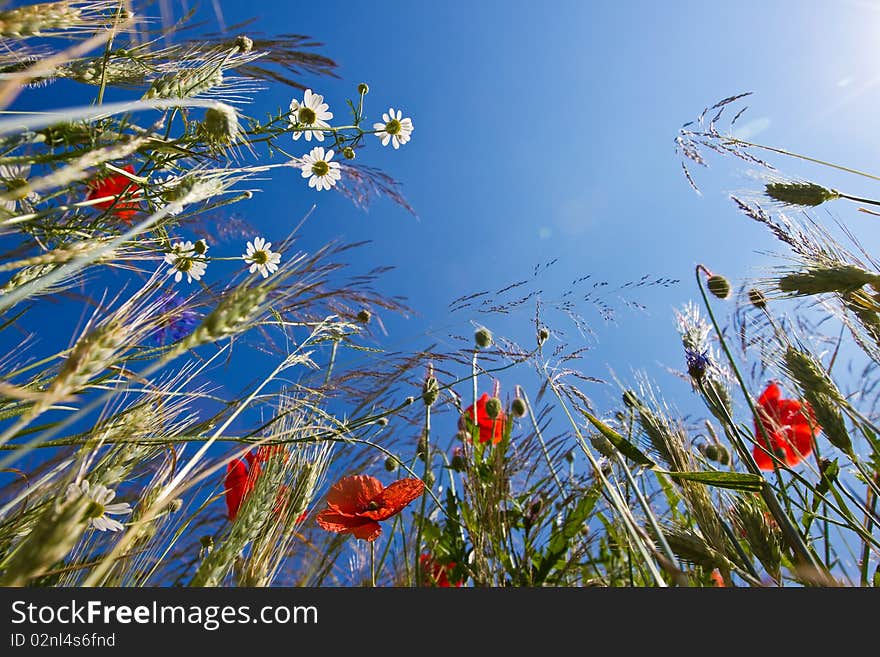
793, 538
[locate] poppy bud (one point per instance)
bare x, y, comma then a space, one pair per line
220, 125
723, 455
430, 391
483, 338
569, 456
458, 463
382, 421
364, 316
348, 153
207, 543
428, 479
363, 89
719, 286
757, 298
422, 448
391, 464
710, 451
543, 334
493, 407
518, 407
409, 400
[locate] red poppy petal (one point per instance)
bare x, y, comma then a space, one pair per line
236, 484
352, 494
800, 443
368, 531
341, 523
394, 498
770, 395
762, 458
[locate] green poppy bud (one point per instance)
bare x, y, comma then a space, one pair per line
493, 407
719, 286
430, 391
518, 407
483, 338
757, 298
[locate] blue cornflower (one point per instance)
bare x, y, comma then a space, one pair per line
697, 362
175, 321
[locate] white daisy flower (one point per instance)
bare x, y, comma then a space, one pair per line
261, 258
100, 497
183, 260
395, 128
166, 188
317, 167
310, 113
15, 187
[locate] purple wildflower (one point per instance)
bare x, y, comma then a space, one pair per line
697, 362
175, 321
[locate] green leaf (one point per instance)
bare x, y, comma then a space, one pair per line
560, 538
625, 447
731, 480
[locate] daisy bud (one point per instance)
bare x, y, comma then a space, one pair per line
518, 407
363, 89
757, 299
391, 464
244, 44
382, 421
348, 153
430, 391
493, 408
719, 286
483, 338
364, 316
200, 247
175, 505
409, 400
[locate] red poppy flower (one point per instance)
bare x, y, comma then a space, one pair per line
790, 425
240, 480
122, 190
357, 503
437, 574
489, 429
717, 579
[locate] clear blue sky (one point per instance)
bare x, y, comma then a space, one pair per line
545, 131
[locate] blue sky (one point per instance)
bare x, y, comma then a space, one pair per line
545, 132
